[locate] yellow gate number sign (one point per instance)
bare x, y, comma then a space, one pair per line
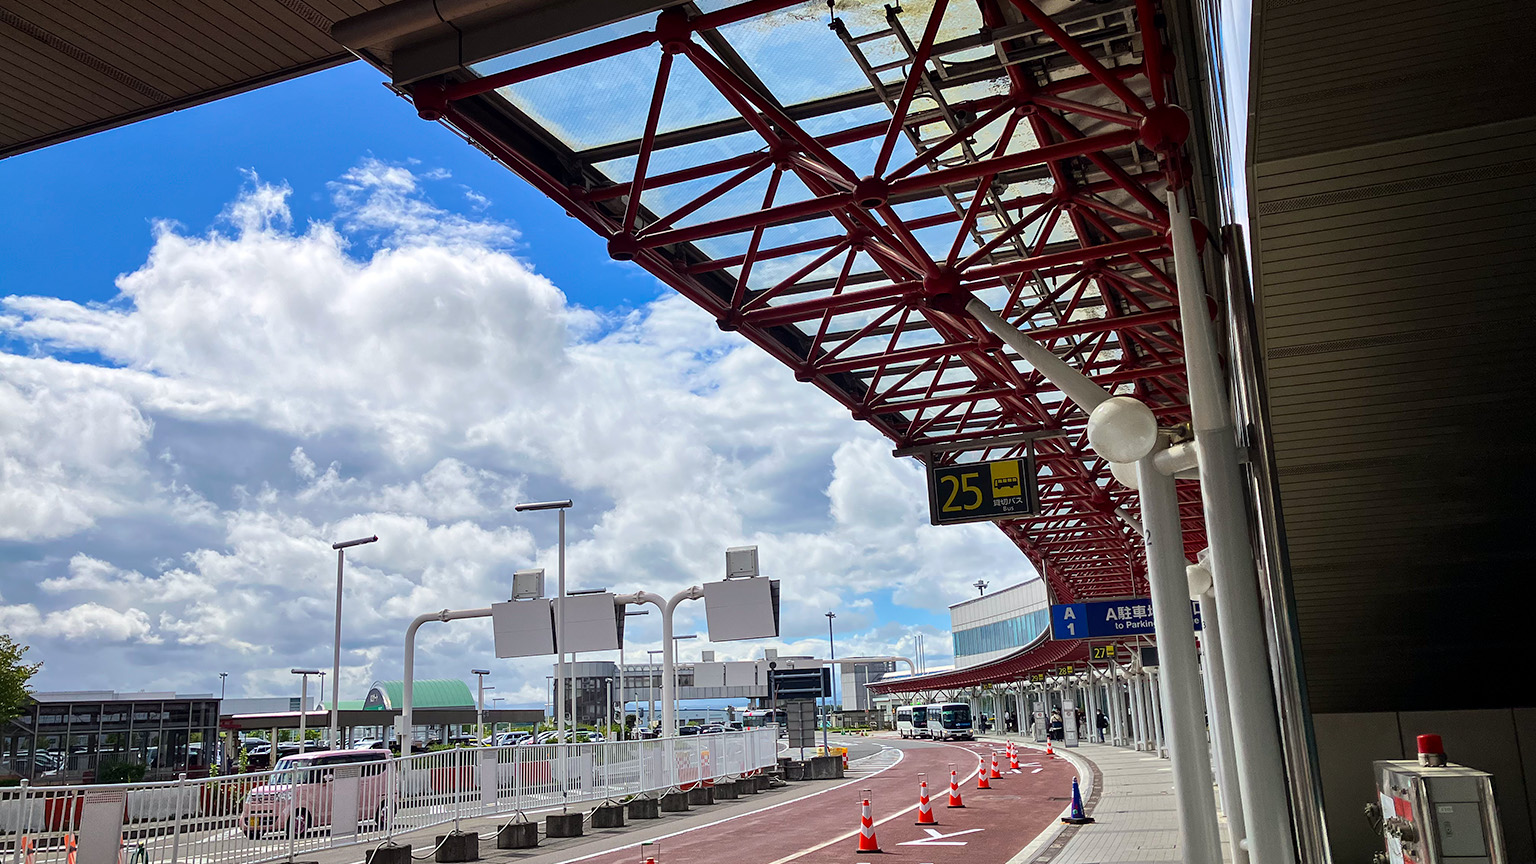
982, 491
1103, 652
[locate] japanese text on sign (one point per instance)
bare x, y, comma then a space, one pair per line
982, 491
1107, 619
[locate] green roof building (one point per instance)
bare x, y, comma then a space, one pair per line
434, 693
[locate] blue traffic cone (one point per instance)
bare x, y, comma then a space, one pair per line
1077, 817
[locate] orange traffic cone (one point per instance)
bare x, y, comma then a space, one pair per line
954, 790
981, 779
924, 811
69, 848
867, 841
28, 854
1013, 759
1049, 750
993, 773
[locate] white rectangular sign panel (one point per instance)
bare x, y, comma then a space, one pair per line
709, 674
101, 826
739, 609
745, 674
523, 628
591, 624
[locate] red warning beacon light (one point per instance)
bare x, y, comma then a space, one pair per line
1431, 751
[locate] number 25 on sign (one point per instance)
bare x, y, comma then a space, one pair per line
982, 491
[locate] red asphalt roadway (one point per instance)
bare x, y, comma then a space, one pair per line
823, 828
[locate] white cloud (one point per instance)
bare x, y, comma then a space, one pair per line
438, 379
87, 622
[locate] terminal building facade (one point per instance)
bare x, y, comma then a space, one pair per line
71, 737
994, 625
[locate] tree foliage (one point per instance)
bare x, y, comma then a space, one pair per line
14, 675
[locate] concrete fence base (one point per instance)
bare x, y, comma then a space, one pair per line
389, 855
645, 808
562, 825
518, 835
608, 816
458, 846
674, 802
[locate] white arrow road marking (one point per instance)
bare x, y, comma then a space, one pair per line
1037, 771
935, 838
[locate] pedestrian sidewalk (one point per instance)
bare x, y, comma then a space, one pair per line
1129, 794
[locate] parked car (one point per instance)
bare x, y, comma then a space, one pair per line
506, 739
370, 744
689, 730
711, 729
300, 791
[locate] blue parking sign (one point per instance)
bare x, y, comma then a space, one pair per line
1069, 621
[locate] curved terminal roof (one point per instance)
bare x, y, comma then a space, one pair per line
431, 693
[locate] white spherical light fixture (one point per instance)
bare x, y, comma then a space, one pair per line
1199, 576
1122, 429
1125, 472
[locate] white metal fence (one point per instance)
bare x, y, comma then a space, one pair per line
355, 797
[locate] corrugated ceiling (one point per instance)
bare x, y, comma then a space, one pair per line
74, 68
1395, 185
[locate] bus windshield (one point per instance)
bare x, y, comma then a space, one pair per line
760, 719
919, 714
956, 716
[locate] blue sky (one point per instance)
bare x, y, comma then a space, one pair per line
79, 213
233, 334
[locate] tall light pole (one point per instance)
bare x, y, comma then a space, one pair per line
222, 676
321, 691
832, 651
560, 642
479, 702
341, 557
303, 705
980, 586
677, 698
650, 686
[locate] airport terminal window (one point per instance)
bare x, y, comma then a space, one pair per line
1008, 634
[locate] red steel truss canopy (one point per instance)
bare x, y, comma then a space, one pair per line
1044, 654
835, 185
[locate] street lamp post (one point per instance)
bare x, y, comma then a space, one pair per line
832, 652
222, 676
650, 687
341, 554
303, 706
479, 702
560, 642
676, 702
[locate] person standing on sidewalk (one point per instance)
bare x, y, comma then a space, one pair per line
1102, 722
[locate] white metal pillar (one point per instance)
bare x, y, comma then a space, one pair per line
1255, 721
1180, 694
1159, 729
1221, 729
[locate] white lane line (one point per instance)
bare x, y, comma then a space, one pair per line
899, 813
678, 833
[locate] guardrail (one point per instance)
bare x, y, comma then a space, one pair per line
301, 806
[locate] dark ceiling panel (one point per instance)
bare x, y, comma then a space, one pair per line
77, 68
1394, 247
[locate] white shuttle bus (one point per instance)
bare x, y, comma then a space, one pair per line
948, 720
912, 721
